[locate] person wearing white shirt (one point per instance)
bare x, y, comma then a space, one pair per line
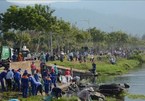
9, 78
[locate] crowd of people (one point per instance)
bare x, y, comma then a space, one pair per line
41, 79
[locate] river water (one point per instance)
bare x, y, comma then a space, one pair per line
136, 80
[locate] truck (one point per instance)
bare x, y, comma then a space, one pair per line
5, 56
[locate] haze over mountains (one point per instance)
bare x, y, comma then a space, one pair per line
85, 18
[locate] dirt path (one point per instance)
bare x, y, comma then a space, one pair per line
24, 65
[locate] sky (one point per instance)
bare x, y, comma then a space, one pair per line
39, 1
130, 9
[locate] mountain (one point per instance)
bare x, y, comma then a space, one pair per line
4, 5
84, 18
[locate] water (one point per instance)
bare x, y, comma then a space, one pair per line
136, 80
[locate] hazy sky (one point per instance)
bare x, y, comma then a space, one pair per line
125, 15
130, 8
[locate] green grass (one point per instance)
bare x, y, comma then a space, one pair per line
66, 99
103, 67
136, 96
5, 96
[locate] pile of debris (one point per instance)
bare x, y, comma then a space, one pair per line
99, 91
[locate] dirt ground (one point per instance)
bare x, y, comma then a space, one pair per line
24, 65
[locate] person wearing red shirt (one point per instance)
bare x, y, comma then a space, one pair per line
68, 75
33, 68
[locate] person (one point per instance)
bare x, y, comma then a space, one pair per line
9, 78
25, 72
33, 84
68, 75
39, 88
59, 76
84, 95
56, 92
47, 84
47, 57
25, 85
33, 67
42, 57
112, 60
55, 69
20, 57
62, 56
37, 75
93, 70
17, 78
2, 76
53, 77
14, 57
43, 68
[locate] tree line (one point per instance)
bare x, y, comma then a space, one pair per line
38, 29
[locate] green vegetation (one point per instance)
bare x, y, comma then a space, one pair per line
66, 99
5, 96
136, 96
103, 67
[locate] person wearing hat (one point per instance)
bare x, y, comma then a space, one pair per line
84, 95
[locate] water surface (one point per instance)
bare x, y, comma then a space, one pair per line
136, 80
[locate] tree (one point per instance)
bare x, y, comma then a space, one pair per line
117, 39
38, 18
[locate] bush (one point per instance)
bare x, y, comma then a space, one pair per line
137, 57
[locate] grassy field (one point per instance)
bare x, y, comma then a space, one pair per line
103, 67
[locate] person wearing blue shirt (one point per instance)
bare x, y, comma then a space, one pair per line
36, 86
25, 85
2, 76
33, 84
53, 77
39, 88
9, 78
17, 78
47, 84
25, 72
37, 76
